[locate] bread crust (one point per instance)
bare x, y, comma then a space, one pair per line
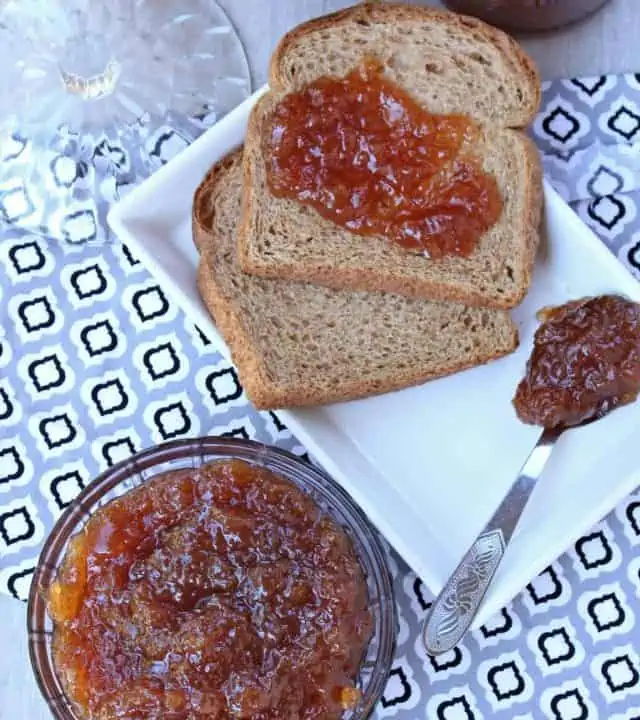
263, 392
201, 215
387, 11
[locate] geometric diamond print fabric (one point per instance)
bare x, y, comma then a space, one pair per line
97, 363
589, 133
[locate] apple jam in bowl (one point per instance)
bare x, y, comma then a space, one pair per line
208, 579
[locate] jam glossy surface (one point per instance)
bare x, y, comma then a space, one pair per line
221, 592
366, 156
585, 362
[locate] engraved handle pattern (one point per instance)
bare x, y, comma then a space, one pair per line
456, 606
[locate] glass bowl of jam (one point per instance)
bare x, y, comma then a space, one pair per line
212, 578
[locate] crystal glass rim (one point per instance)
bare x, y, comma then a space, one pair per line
100, 81
199, 450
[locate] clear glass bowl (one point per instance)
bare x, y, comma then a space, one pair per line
130, 473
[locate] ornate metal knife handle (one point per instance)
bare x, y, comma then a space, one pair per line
455, 607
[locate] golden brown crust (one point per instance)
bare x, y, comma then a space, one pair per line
256, 385
388, 11
201, 215
372, 281
261, 390
367, 280
534, 207
248, 187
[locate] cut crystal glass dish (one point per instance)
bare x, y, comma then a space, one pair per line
95, 94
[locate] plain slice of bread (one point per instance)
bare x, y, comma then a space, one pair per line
449, 64
301, 344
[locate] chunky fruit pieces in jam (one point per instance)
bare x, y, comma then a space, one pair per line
366, 156
585, 362
212, 593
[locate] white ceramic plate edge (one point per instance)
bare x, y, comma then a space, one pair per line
324, 442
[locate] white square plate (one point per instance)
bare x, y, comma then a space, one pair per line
429, 464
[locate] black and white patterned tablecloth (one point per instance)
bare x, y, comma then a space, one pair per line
96, 362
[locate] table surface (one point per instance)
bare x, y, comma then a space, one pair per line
605, 43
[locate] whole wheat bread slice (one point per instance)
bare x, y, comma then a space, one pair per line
301, 344
449, 64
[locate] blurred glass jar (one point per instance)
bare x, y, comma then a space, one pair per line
95, 94
527, 15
